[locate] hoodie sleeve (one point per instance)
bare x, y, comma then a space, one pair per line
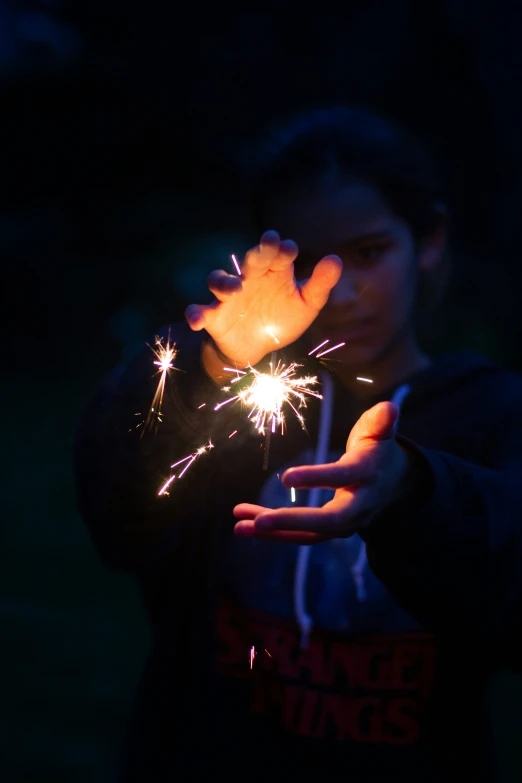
119, 467
450, 550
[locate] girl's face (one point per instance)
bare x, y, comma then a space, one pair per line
371, 307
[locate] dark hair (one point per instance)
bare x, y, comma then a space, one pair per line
360, 145
356, 143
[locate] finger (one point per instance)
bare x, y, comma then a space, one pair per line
288, 252
258, 259
223, 285
335, 475
269, 239
377, 423
247, 510
328, 520
326, 274
195, 318
198, 316
246, 529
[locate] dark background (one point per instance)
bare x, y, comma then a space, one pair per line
119, 123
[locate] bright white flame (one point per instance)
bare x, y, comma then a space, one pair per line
268, 394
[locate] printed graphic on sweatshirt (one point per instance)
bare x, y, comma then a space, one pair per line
363, 688
367, 672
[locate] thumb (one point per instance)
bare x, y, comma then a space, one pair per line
326, 274
377, 423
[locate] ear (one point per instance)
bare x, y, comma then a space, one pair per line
434, 243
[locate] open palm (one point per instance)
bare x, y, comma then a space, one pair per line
265, 308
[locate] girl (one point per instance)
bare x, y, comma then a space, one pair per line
367, 653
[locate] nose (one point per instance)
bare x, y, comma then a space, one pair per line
345, 291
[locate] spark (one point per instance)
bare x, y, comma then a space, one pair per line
318, 346
366, 380
238, 377
269, 331
165, 355
329, 350
267, 395
238, 268
292, 494
202, 405
253, 655
189, 460
232, 434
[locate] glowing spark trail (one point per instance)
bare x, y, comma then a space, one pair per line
189, 460
267, 394
366, 380
272, 335
253, 655
328, 350
238, 268
318, 346
165, 355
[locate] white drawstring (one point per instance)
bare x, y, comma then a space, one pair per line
325, 424
304, 620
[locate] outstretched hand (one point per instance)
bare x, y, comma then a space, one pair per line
369, 476
264, 308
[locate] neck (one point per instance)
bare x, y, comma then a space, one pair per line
400, 360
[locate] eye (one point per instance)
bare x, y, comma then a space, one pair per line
370, 253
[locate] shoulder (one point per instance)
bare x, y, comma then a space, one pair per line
473, 374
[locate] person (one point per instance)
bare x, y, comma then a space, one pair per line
331, 599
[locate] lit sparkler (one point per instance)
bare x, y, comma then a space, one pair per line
267, 395
165, 355
186, 462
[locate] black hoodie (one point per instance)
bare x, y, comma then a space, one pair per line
409, 621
